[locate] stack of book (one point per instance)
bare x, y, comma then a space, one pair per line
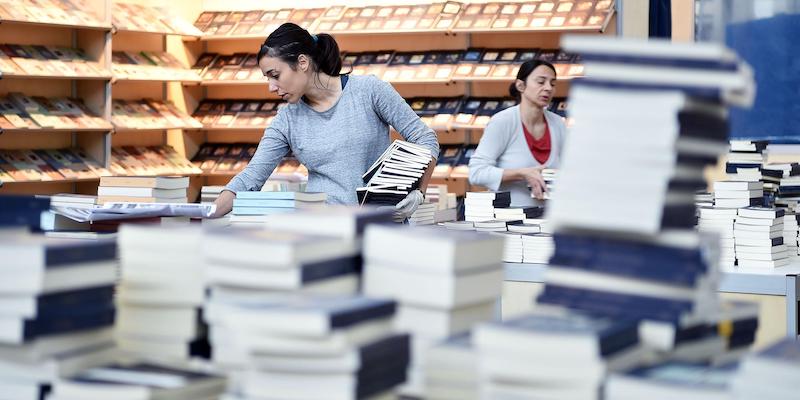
494, 225
142, 189
512, 249
312, 346
252, 114
758, 235
135, 17
143, 380
19, 111
768, 373
395, 174
158, 315
480, 206
745, 160
344, 222
450, 282
641, 262
48, 60
704, 199
256, 206
791, 232
673, 380
452, 371
424, 215
447, 203
209, 194
459, 225
57, 310
554, 356
149, 114
53, 222
150, 65
150, 160
720, 221
518, 213
70, 12
537, 248
549, 176
48, 165
737, 194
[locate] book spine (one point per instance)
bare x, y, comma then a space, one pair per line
351, 317
64, 303
87, 319
65, 255
330, 268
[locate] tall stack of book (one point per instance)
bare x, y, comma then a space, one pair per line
537, 248
450, 282
57, 310
673, 380
745, 160
142, 189
768, 374
758, 235
737, 194
147, 381
640, 262
512, 246
452, 371
788, 191
720, 221
161, 291
314, 347
480, 206
395, 174
258, 206
791, 232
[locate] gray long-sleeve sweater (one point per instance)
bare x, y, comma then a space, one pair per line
338, 145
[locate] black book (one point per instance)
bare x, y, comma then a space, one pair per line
84, 318
22, 210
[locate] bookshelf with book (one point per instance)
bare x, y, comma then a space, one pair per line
444, 50
54, 95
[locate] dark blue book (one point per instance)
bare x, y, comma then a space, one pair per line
679, 216
22, 210
327, 269
81, 319
381, 379
703, 125
472, 56
609, 335
63, 253
615, 305
65, 303
391, 349
640, 260
731, 168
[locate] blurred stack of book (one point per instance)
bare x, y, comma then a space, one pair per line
142, 189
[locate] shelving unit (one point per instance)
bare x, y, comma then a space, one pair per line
95, 91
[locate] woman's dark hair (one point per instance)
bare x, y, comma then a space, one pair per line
524, 71
289, 41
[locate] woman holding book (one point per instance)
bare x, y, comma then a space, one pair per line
336, 125
522, 140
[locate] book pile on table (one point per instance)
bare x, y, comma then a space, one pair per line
758, 235
142, 189
258, 206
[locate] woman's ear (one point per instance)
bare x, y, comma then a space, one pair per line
520, 85
303, 62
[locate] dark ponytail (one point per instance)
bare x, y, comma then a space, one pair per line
289, 41
524, 71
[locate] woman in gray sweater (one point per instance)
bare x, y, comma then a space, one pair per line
337, 127
522, 140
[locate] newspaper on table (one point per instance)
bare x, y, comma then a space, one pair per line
115, 211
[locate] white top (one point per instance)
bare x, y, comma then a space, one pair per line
503, 145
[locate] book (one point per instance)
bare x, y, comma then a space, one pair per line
158, 182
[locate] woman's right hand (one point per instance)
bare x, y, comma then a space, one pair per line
533, 176
224, 203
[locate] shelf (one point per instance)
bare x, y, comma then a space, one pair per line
106, 28
54, 181
506, 80
184, 81
242, 82
153, 129
222, 174
255, 129
529, 30
57, 77
56, 130
185, 36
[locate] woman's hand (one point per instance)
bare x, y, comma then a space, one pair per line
224, 203
533, 176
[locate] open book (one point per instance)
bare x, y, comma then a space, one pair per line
397, 172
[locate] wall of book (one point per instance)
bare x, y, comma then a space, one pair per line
143, 89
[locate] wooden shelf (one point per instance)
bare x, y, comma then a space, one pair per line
153, 129
186, 36
254, 129
453, 80
243, 82
98, 27
184, 81
58, 77
56, 130
506, 80
54, 181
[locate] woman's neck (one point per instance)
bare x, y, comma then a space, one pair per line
531, 114
323, 92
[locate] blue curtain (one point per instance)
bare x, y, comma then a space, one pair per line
660, 18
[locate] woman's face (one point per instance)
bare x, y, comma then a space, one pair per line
287, 82
539, 87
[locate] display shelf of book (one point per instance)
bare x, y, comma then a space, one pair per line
185, 36
187, 82
152, 128
255, 129
45, 24
53, 181
57, 77
57, 130
505, 79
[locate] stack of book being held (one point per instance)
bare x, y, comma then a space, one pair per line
450, 282
395, 174
160, 292
142, 189
57, 310
258, 206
